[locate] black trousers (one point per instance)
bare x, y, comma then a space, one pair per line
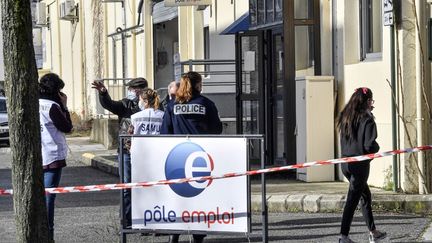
357, 175
196, 237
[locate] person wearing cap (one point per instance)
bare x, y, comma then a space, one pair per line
127, 106
123, 108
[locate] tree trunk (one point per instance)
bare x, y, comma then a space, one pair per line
24, 126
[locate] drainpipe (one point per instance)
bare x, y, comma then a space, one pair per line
72, 64
134, 56
123, 36
114, 51
419, 119
106, 69
83, 61
393, 108
60, 72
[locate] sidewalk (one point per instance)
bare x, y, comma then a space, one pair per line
283, 195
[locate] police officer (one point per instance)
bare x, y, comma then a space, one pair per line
123, 109
191, 113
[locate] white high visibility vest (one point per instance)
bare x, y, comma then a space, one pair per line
54, 145
147, 121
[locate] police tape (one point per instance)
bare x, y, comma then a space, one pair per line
121, 186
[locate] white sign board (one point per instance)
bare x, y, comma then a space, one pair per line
249, 61
175, 3
387, 5
388, 18
177, 67
218, 205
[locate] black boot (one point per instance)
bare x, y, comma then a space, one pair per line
174, 239
198, 238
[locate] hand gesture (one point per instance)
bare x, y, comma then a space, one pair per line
63, 99
99, 86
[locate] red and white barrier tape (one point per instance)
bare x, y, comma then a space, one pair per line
120, 186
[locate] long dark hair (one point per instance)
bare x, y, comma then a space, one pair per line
354, 112
188, 87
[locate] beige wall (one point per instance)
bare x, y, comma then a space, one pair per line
371, 73
63, 44
326, 37
79, 55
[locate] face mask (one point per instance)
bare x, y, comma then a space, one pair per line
141, 105
131, 95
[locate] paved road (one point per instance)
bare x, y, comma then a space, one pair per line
93, 217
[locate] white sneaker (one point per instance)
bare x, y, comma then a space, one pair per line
377, 237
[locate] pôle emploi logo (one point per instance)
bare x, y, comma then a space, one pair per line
188, 160
184, 161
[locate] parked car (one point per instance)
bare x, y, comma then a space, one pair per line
4, 126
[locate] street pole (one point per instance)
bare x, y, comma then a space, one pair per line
389, 17
393, 107
419, 77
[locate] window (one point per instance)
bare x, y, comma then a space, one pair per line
3, 106
264, 13
370, 28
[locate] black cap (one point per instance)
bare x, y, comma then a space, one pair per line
138, 83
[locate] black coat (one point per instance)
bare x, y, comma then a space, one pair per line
365, 142
123, 108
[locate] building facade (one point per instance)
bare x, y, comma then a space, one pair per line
260, 76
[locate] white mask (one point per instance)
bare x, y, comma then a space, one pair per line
141, 105
131, 94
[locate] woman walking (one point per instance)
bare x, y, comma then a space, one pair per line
358, 135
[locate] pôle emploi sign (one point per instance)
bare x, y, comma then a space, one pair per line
219, 205
175, 3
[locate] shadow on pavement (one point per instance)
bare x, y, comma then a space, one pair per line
71, 176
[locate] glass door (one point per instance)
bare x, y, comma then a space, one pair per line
249, 94
275, 94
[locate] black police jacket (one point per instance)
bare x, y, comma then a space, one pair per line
198, 116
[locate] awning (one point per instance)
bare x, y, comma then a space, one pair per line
241, 24
162, 13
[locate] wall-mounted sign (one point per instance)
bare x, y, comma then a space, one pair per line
174, 3
388, 17
387, 5
249, 61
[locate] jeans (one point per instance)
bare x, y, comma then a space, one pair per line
51, 179
357, 174
127, 192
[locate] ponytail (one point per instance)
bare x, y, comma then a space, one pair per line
184, 92
187, 87
152, 97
